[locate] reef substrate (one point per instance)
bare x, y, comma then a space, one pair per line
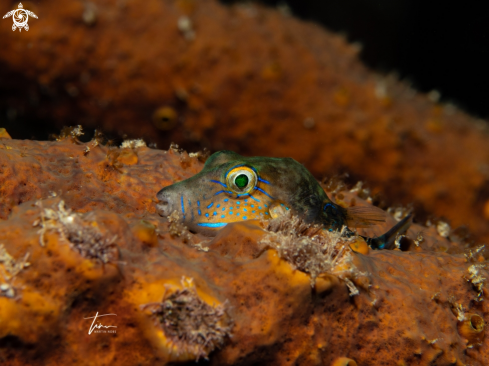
80, 236
248, 79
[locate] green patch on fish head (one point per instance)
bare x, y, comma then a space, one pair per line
233, 188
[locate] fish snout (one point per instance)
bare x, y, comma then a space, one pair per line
166, 202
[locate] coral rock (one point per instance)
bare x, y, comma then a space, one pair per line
292, 89
79, 237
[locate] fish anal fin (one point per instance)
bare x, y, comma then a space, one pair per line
364, 216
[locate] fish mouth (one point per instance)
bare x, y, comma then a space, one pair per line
165, 203
162, 210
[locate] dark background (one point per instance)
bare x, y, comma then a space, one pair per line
432, 45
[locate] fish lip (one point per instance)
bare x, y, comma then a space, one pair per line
163, 210
165, 204
164, 207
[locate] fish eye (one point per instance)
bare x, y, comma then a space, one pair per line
241, 180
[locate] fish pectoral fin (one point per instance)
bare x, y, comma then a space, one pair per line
387, 240
364, 216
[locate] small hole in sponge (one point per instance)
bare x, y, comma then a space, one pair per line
406, 243
477, 323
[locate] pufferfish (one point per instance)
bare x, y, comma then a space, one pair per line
232, 188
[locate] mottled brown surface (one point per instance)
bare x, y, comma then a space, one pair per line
405, 313
252, 80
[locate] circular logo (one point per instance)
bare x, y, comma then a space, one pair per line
20, 18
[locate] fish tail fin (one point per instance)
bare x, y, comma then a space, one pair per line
387, 240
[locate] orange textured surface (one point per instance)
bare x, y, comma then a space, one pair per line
251, 80
411, 308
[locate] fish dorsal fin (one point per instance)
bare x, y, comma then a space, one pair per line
364, 216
